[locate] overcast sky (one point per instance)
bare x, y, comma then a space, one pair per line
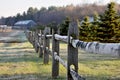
12, 7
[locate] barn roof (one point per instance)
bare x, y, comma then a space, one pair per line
25, 23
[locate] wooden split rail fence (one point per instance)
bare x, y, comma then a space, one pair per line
41, 43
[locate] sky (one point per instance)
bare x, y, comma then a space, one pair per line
12, 7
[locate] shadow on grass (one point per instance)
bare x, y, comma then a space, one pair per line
96, 57
40, 76
29, 76
101, 78
22, 48
20, 58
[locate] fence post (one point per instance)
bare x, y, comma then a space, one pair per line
30, 37
36, 40
41, 44
72, 57
55, 48
46, 45
33, 39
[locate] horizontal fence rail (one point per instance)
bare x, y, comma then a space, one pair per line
61, 38
75, 75
48, 36
95, 47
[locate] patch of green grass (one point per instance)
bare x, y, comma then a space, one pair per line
19, 61
99, 66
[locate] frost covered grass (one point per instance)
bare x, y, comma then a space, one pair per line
18, 61
13, 36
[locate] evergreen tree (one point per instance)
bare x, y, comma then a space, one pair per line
64, 26
85, 30
31, 12
24, 15
95, 27
109, 30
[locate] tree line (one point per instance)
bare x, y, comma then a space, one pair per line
52, 13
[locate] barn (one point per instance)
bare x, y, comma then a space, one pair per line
25, 24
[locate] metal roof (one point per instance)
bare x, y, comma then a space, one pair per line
25, 22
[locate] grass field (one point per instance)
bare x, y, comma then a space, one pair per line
12, 36
18, 61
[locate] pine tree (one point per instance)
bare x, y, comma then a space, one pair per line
109, 30
64, 26
85, 30
95, 27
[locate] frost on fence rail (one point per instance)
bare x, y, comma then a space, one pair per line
62, 38
100, 48
48, 36
75, 75
60, 60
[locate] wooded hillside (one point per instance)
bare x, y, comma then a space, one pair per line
56, 14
